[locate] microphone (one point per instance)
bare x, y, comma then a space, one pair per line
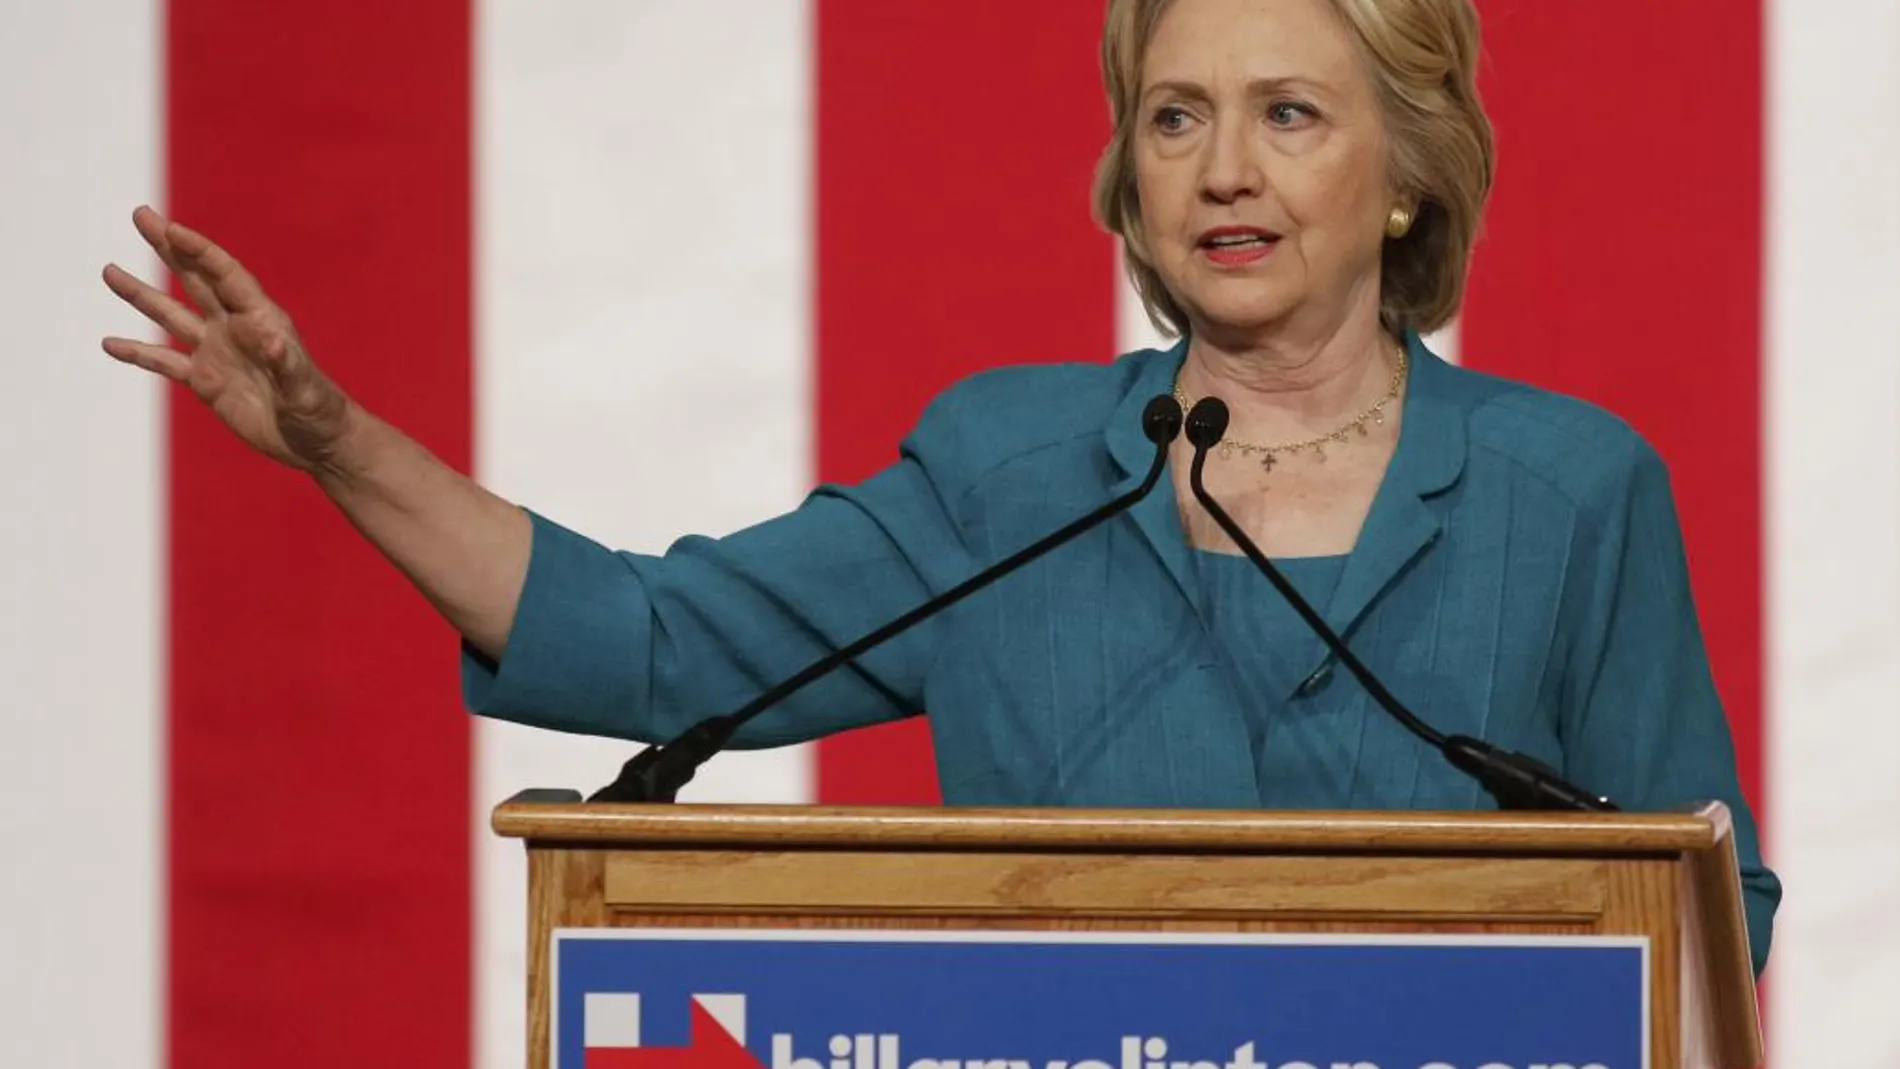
657, 773
1516, 780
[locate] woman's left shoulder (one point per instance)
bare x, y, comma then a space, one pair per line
1583, 449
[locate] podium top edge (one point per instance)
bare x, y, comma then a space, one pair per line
533, 816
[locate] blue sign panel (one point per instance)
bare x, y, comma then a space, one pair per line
741, 999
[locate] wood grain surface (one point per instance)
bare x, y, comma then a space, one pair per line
1132, 829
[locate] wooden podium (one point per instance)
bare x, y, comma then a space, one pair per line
1670, 878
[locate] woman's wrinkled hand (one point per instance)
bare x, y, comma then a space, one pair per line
238, 351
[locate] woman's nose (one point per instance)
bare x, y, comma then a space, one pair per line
1232, 168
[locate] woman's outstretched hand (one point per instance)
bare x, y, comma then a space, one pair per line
240, 352
464, 548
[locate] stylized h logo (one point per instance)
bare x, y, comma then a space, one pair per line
612, 1034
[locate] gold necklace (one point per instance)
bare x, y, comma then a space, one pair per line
1267, 453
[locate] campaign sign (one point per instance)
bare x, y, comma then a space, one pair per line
741, 999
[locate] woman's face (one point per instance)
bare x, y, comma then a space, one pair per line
1261, 165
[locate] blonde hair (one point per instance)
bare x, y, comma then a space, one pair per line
1423, 58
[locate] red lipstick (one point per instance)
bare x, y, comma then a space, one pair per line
1237, 246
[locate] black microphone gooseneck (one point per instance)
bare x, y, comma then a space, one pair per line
657, 773
1516, 780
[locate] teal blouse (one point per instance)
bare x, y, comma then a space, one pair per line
1298, 759
1520, 577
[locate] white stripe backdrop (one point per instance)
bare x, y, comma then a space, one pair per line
1831, 731
643, 288
81, 548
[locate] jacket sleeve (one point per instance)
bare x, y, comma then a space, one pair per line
1642, 721
633, 646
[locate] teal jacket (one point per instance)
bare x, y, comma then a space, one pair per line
1520, 578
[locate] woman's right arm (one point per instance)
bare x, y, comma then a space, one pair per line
597, 641
463, 547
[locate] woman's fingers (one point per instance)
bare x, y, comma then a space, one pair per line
171, 315
156, 231
236, 290
151, 226
170, 363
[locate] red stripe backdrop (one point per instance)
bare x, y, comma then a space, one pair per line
319, 763
954, 149
1623, 263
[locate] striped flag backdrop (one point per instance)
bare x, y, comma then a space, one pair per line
653, 267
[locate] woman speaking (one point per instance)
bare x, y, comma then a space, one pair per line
1298, 185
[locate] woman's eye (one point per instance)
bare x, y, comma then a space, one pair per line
1171, 120
1287, 113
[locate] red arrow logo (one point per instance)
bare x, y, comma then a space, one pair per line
712, 1048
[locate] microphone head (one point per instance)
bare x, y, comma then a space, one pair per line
1161, 420
1206, 422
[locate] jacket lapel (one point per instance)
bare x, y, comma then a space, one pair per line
1206, 755
1154, 516
1404, 519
